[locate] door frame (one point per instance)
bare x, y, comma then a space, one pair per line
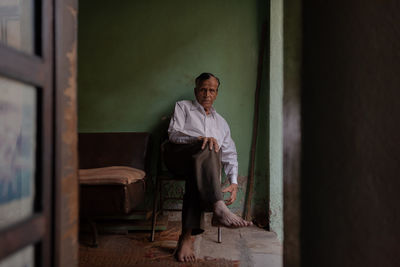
292, 131
53, 228
35, 70
66, 211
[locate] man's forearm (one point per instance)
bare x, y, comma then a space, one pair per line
181, 138
229, 161
233, 178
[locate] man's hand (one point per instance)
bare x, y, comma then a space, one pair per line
232, 189
212, 143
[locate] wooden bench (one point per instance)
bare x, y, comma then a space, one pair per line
114, 169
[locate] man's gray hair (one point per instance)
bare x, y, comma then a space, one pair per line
205, 76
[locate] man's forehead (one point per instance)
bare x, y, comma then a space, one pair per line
210, 82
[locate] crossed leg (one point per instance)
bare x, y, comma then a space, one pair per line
202, 193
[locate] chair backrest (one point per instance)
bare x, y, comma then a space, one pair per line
117, 148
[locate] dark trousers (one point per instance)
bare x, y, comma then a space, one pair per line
201, 169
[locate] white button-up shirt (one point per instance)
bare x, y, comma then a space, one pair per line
191, 121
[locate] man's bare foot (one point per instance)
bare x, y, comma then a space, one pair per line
222, 216
185, 252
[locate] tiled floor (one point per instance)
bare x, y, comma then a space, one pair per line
250, 246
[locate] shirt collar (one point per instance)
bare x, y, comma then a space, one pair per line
196, 105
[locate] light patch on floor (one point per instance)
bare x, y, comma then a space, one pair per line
251, 246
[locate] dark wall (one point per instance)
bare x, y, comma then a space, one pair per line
351, 133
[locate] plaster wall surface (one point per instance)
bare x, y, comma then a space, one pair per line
275, 115
137, 58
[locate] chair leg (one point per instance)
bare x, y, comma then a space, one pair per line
219, 234
161, 200
219, 228
155, 211
93, 227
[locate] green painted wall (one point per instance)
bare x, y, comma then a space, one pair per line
275, 114
269, 157
136, 58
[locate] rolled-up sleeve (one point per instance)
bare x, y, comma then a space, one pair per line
229, 157
176, 127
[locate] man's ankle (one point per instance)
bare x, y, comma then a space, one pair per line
186, 234
219, 205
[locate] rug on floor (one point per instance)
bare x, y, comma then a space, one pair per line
134, 249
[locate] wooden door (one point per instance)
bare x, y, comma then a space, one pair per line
29, 189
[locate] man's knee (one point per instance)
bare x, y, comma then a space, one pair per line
207, 157
206, 152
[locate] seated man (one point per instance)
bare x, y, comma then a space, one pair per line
200, 142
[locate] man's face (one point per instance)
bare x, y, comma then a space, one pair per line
206, 92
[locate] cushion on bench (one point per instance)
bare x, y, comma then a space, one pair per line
110, 175
114, 169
